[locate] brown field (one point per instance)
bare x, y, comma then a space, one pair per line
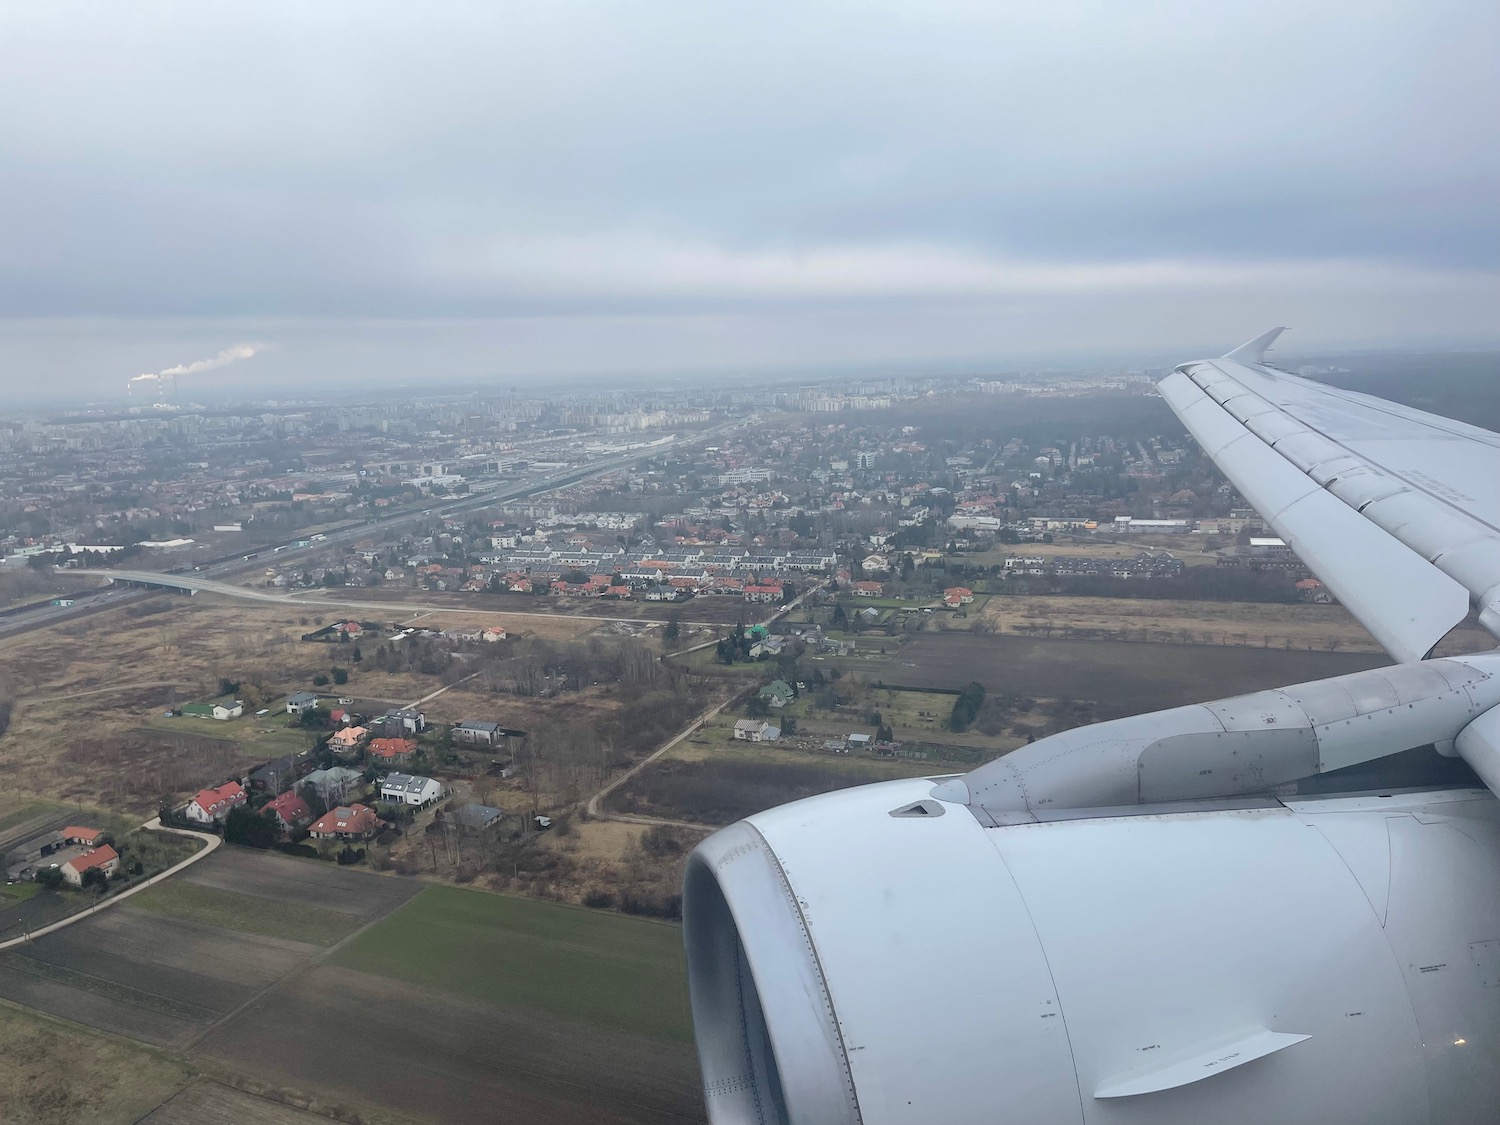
276, 1018
1303, 626
177, 959
207, 1102
1122, 678
437, 610
87, 726
579, 614
55, 1073
445, 1057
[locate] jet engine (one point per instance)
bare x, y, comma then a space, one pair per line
1137, 921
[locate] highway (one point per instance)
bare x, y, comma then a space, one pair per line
210, 576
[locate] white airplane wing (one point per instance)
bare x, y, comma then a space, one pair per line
1394, 509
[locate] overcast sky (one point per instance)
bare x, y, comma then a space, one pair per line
424, 191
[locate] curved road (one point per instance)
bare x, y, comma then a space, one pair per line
153, 825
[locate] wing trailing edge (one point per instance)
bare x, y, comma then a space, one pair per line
1406, 602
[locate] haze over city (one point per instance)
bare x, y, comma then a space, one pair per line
474, 191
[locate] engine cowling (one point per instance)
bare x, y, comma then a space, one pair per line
879, 955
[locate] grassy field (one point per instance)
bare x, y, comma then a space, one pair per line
55, 1073
251, 914
1301, 625
588, 966
266, 737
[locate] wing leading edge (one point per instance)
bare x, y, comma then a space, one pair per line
1392, 508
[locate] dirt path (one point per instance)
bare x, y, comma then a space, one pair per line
596, 802
596, 806
100, 691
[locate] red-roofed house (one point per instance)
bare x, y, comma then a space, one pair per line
347, 739
347, 822
955, 596
106, 859
391, 751
76, 834
765, 592
291, 810
211, 805
868, 589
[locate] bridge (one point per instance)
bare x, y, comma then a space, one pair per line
189, 582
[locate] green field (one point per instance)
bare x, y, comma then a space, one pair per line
269, 735
622, 973
250, 914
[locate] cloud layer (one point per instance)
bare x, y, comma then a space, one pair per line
794, 169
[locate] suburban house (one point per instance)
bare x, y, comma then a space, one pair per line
763, 593
347, 822
778, 693
753, 730
291, 810
279, 774
335, 784
479, 818
301, 701
408, 719
407, 789
222, 709
475, 732
88, 837
343, 741
212, 805
955, 596
104, 858
391, 751
868, 589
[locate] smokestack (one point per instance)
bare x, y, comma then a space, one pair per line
223, 359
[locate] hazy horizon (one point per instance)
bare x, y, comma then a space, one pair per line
368, 194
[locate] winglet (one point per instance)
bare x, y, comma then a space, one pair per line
1255, 350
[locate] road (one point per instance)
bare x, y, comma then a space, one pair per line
41, 616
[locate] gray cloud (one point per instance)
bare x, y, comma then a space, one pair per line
797, 173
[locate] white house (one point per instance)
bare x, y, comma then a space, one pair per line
753, 730
214, 804
300, 701
407, 789
105, 858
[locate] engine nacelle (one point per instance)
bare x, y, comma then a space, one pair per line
879, 955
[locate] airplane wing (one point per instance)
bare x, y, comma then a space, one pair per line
1393, 508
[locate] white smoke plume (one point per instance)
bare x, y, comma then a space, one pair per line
227, 356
